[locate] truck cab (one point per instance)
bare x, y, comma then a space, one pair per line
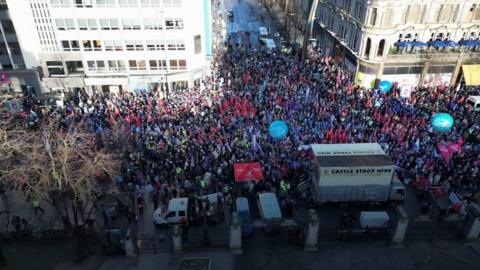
269, 210
176, 212
397, 191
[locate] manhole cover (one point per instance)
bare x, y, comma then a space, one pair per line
195, 264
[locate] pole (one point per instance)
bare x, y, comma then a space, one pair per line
309, 27
285, 12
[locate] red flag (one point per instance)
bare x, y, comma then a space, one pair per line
444, 152
247, 172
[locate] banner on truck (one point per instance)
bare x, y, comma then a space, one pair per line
349, 171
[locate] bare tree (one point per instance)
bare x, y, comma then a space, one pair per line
63, 167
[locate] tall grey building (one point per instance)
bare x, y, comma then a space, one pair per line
14, 76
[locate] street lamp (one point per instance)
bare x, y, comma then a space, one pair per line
160, 18
290, 16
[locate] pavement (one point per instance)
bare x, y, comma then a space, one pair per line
436, 255
16, 205
219, 260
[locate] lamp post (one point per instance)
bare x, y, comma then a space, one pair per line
160, 18
309, 27
290, 16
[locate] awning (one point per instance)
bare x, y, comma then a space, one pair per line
438, 44
247, 172
402, 44
469, 42
451, 43
418, 44
471, 73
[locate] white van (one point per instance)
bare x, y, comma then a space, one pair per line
474, 101
176, 212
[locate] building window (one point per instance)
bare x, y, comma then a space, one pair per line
74, 67
96, 65
368, 45
109, 24
182, 64
113, 45
130, 45
137, 65
128, 3
109, 45
3, 49
172, 3
70, 45
359, 10
473, 13
150, 3
83, 3
131, 24
158, 64
373, 17
105, 3
55, 68
8, 26
381, 48
138, 45
443, 12
65, 24
15, 48
87, 45
92, 24
155, 45
173, 64
60, 3
82, 24
97, 45
387, 18
197, 41
152, 23
176, 45
116, 65
173, 24
413, 14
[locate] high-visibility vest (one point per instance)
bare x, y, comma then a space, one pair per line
283, 186
36, 203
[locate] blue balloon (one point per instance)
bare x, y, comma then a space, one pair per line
385, 86
442, 122
278, 129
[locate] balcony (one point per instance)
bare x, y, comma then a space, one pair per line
419, 54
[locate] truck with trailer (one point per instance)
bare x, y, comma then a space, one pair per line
347, 173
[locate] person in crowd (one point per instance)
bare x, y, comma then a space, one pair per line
185, 144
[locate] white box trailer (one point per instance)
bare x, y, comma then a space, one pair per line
354, 173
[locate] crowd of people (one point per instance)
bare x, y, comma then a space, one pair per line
188, 142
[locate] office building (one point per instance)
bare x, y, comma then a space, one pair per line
115, 45
14, 77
